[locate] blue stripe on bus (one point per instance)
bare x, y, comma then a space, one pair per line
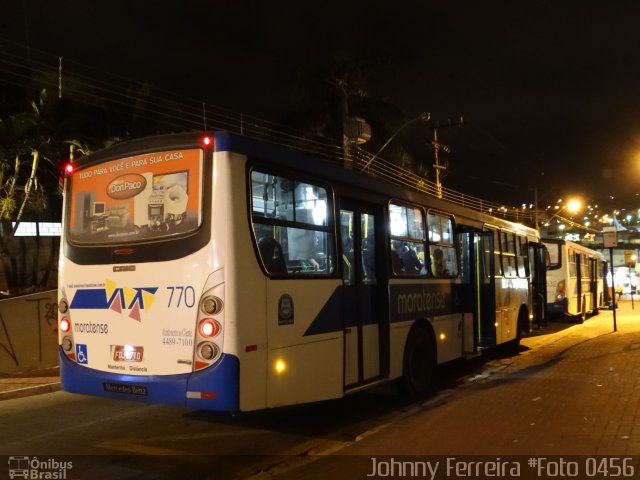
558, 307
329, 319
90, 298
406, 302
219, 384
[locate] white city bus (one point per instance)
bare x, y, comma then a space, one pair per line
576, 279
235, 275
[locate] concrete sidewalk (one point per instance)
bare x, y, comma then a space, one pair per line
573, 390
30, 383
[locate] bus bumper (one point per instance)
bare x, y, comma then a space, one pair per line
558, 307
214, 388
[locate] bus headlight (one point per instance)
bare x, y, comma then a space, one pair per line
208, 351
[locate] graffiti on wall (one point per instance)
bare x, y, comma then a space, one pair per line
5, 342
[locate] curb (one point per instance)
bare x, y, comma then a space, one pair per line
29, 391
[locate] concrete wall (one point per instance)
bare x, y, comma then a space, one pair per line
29, 332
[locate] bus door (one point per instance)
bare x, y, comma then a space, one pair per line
579, 288
470, 261
593, 287
485, 284
539, 264
362, 294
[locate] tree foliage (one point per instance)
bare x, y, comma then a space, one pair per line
39, 131
328, 92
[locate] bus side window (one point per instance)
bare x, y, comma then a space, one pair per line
407, 240
508, 250
442, 248
291, 221
522, 250
572, 256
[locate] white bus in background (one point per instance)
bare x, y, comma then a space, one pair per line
576, 279
222, 273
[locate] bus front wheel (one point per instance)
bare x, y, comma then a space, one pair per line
418, 362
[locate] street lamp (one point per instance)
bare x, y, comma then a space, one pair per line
425, 117
573, 205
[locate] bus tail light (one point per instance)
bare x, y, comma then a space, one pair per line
67, 345
69, 168
209, 336
210, 305
65, 328
65, 325
206, 354
63, 306
208, 351
209, 327
560, 289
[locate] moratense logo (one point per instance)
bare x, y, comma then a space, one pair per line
119, 299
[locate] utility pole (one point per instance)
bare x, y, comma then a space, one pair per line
610, 241
535, 206
440, 168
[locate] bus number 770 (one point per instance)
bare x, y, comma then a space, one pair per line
183, 295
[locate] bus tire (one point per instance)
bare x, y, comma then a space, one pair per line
418, 361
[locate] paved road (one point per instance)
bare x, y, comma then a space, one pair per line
572, 389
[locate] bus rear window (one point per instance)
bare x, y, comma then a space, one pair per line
145, 197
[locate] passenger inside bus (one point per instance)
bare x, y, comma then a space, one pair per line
302, 247
438, 264
347, 255
405, 259
347, 240
411, 264
271, 253
368, 261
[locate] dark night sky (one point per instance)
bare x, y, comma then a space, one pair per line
550, 90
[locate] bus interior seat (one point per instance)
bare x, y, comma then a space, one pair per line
271, 253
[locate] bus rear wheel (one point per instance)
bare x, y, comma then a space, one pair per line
418, 362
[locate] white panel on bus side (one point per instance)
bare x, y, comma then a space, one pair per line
302, 368
246, 283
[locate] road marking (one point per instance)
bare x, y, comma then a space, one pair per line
131, 447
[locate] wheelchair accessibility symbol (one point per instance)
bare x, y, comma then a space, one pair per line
81, 353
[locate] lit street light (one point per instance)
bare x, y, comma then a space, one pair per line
573, 205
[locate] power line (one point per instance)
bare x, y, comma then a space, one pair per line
183, 113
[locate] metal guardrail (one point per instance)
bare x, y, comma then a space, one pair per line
361, 160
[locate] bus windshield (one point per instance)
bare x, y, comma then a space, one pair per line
140, 198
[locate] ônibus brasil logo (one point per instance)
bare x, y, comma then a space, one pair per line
119, 299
